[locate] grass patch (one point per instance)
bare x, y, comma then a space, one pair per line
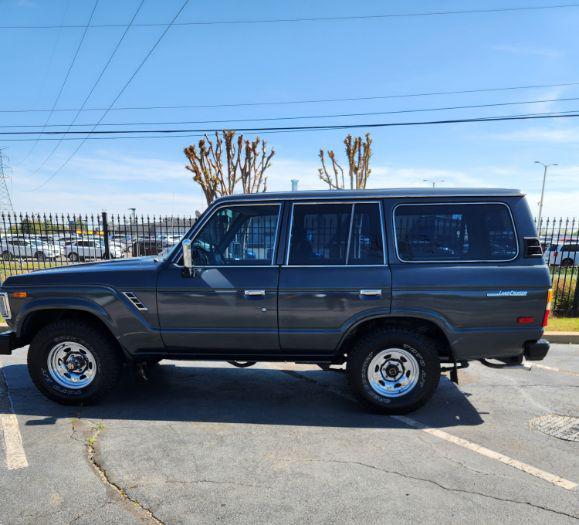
563, 324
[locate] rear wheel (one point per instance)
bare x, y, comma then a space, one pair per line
6, 255
73, 256
74, 362
394, 370
40, 256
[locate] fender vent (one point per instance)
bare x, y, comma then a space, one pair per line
135, 300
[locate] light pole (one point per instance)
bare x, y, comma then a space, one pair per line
545, 168
434, 181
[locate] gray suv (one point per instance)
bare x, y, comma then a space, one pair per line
398, 285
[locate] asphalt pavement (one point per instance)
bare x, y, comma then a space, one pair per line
285, 443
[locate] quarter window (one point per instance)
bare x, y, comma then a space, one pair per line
460, 232
237, 236
366, 238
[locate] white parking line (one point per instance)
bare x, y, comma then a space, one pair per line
550, 368
15, 455
483, 451
469, 445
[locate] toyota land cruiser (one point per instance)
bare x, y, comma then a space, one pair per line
395, 284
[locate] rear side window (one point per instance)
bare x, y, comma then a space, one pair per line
336, 234
454, 232
319, 234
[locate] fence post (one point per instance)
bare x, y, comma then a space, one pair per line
106, 255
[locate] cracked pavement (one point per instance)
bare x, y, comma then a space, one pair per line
284, 443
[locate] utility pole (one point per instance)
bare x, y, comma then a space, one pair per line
5, 200
434, 181
545, 168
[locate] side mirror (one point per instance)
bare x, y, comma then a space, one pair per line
187, 257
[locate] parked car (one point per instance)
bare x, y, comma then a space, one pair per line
565, 255
83, 249
398, 285
147, 246
17, 247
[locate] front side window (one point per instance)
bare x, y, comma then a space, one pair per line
455, 232
237, 236
336, 234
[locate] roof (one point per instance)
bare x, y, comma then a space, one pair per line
378, 193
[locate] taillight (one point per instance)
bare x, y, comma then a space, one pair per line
525, 320
548, 308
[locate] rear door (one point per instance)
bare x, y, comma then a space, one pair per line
334, 273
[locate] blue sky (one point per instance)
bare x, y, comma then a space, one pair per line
220, 64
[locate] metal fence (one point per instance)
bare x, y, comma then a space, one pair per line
44, 240
560, 241
32, 241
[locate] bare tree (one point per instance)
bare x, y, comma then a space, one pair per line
358, 153
221, 163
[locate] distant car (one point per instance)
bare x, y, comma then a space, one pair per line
147, 246
169, 240
564, 254
19, 247
83, 249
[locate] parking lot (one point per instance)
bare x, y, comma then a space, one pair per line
281, 443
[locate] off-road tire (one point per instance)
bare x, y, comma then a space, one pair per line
106, 353
424, 350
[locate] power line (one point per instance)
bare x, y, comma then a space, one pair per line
300, 117
119, 94
312, 19
304, 101
71, 65
528, 116
95, 84
201, 132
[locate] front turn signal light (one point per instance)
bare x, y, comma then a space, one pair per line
19, 295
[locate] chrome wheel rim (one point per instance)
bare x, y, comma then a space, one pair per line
393, 372
71, 365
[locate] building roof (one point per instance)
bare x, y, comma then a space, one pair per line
378, 193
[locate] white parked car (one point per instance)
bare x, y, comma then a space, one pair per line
565, 254
21, 247
83, 249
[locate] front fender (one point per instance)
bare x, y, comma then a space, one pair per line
64, 303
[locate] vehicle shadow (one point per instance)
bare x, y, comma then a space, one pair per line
187, 392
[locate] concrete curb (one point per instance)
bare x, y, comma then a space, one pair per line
562, 337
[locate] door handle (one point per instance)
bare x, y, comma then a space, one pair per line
371, 293
254, 293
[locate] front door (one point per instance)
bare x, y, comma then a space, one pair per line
229, 304
334, 274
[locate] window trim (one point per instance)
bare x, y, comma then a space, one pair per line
352, 203
451, 261
193, 236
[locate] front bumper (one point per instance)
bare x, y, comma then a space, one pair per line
8, 342
536, 350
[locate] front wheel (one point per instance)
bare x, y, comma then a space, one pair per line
74, 362
73, 257
394, 370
